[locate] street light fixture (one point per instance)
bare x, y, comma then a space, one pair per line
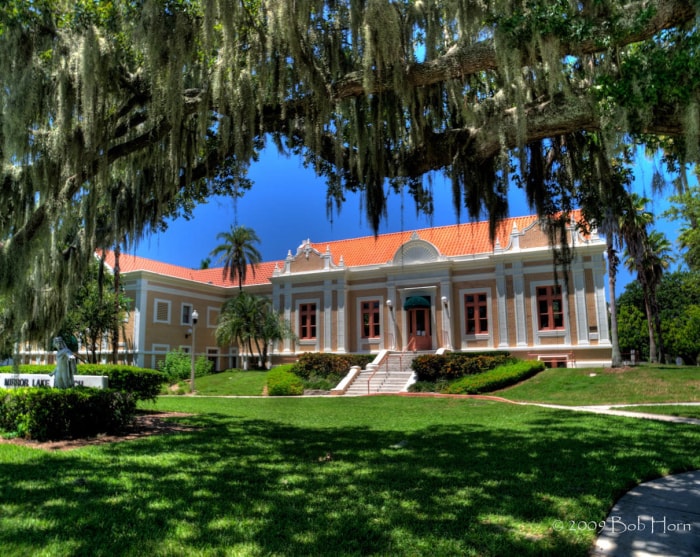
195, 317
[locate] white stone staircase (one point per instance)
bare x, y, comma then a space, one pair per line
392, 374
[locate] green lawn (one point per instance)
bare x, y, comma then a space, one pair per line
406, 476
580, 387
237, 383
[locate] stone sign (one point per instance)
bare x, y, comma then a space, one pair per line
13, 380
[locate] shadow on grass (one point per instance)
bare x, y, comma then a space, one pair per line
254, 487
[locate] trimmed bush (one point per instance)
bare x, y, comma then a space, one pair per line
143, 383
429, 386
497, 378
431, 367
315, 364
281, 382
48, 414
177, 366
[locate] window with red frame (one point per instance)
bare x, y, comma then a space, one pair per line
307, 321
476, 312
370, 319
550, 309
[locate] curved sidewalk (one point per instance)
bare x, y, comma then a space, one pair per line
656, 518
659, 518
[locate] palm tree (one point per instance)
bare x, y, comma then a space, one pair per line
249, 320
634, 220
609, 177
609, 227
647, 253
238, 323
650, 264
237, 251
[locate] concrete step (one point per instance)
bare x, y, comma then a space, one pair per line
393, 382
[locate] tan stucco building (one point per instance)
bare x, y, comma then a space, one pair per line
442, 287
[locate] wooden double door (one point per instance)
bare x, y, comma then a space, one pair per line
420, 336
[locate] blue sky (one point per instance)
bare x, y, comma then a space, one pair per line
287, 204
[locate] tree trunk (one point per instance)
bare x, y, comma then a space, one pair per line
653, 355
115, 325
612, 281
653, 303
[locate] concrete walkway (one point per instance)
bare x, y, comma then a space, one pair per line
656, 518
617, 410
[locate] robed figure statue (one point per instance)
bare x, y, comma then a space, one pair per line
66, 366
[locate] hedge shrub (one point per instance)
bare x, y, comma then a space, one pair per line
281, 382
177, 366
315, 364
143, 383
497, 378
431, 367
48, 414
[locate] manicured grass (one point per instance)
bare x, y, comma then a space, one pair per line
580, 387
232, 383
405, 476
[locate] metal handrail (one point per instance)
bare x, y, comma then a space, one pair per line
369, 381
411, 342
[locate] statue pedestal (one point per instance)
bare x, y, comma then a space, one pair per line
12, 380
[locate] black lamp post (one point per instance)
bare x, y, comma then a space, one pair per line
195, 317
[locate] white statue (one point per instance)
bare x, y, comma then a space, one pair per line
66, 366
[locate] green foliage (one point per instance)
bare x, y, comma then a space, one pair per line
498, 378
256, 464
95, 310
682, 335
678, 295
281, 382
632, 331
142, 383
238, 253
686, 210
250, 322
41, 413
431, 367
233, 382
437, 386
118, 114
177, 366
590, 386
328, 366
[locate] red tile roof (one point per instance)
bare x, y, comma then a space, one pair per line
130, 263
455, 240
450, 241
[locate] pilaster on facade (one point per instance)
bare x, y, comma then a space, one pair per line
502, 303
578, 272
601, 305
447, 308
287, 297
519, 304
341, 325
391, 302
140, 318
327, 315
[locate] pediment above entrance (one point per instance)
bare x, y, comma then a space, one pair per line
308, 258
416, 250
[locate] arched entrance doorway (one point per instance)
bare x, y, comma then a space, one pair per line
420, 336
